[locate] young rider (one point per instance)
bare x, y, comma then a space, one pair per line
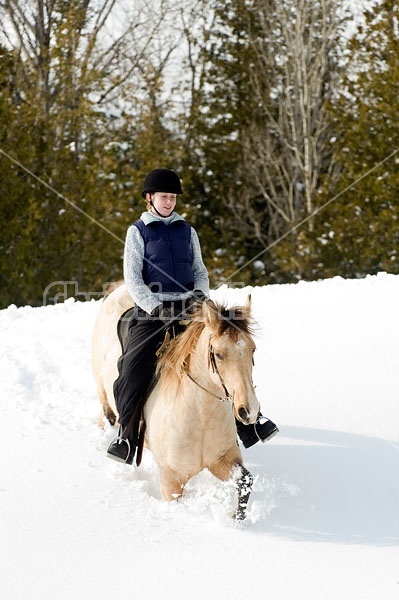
164, 273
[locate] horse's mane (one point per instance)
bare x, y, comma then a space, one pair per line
176, 358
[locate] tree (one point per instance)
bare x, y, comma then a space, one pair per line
74, 123
218, 66
274, 69
13, 203
358, 233
201, 201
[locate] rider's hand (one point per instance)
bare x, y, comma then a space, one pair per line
198, 296
195, 301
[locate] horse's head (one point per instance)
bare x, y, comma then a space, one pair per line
231, 349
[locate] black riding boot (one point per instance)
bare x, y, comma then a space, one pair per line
123, 448
262, 430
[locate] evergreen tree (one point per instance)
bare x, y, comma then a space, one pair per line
13, 201
223, 107
72, 124
358, 233
273, 66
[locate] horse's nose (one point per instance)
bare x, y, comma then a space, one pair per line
243, 415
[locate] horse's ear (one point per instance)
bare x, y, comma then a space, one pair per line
210, 314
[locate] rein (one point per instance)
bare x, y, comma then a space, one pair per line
212, 361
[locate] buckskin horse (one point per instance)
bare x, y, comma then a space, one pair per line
204, 382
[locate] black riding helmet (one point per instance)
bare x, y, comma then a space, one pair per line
161, 180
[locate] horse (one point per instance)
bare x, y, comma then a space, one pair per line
203, 382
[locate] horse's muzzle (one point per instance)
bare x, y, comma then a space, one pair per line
244, 415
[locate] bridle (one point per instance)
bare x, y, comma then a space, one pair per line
212, 363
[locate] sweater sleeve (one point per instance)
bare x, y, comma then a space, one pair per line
133, 271
201, 279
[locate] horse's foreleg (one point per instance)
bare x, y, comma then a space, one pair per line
243, 480
171, 485
231, 467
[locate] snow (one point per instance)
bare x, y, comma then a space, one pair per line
323, 517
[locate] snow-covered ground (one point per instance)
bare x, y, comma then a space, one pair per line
323, 519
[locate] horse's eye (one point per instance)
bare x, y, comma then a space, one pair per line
218, 356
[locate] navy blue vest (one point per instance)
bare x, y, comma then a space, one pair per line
167, 256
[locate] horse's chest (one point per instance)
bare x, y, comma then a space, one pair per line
196, 436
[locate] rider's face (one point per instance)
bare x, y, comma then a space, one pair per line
164, 203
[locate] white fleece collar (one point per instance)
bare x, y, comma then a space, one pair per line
148, 217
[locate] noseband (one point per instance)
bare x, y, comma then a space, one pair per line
212, 362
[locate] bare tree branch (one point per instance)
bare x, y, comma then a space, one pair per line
284, 160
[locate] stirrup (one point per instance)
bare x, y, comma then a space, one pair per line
119, 440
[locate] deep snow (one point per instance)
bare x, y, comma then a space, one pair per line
323, 517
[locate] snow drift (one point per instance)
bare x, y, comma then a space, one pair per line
323, 517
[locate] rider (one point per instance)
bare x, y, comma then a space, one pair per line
164, 273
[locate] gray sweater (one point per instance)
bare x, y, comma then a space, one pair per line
133, 266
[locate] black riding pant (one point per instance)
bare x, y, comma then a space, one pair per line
136, 366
